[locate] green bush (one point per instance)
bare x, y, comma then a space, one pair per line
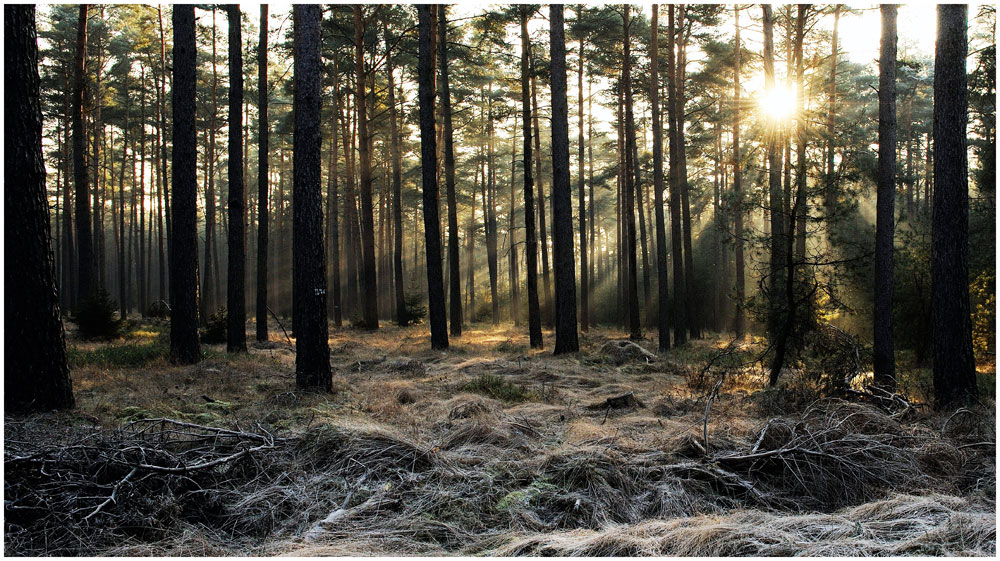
158, 309
96, 317
497, 387
416, 308
215, 331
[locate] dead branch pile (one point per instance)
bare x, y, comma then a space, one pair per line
620, 352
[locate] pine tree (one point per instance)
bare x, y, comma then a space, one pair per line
236, 316
884, 362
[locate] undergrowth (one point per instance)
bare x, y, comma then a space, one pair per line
497, 387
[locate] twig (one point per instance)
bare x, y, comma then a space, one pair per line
708, 408
289, 339
114, 494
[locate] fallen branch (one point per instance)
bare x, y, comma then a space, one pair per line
114, 494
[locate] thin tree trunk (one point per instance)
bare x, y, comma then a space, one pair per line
584, 281
84, 239
663, 311
263, 153
397, 181
629, 203
542, 224
739, 323
369, 294
676, 236
531, 243
454, 269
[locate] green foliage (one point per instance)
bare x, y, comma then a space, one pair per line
96, 317
984, 310
497, 387
128, 355
158, 309
215, 331
416, 307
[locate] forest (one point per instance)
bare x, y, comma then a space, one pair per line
506, 279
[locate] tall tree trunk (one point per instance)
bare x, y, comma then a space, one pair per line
490, 212
802, 201
629, 203
691, 315
84, 240
739, 323
209, 295
531, 243
164, 206
663, 308
676, 236
562, 205
263, 152
122, 275
397, 181
454, 270
334, 196
428, 163
882, 352
369, 294
236, 339
512, 269
777, 257
591, 279
584, 281
954, 363
830, 195
184, 346
542, 223
33, 338
312, 348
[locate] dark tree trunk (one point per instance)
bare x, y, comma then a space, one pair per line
663, 308
542, 223
263, 131
312, 348
165, 201
428, 161
676, 236
739, 323
491, 214
628, 201
236, 316
369, 293
209, 294
777, 257
184, 346
84, 240
454, 270
882, 352
680, 65
562, 205
801, 200
584, 280
334, 196
123, 287
530, 241
397, 181
954, 363
829, 194
37, 377
512, 269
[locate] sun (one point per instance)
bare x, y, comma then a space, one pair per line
778, 103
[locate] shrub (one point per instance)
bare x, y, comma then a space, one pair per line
497, 387
416, 308
158, 309
215, 331
96, 317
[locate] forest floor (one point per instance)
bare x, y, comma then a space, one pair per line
488, 448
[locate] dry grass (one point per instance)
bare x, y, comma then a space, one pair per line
404, 459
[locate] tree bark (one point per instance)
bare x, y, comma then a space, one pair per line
263, 169
777, 257
663, 305
428, 162
629, 203
397, 181
312, 348
581, 164
84, 240
882, 353
954, 363
369, 293
531, 242
184, 345
739, 323
454, 269
676, 236
562, 205
38, 377
236, 316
